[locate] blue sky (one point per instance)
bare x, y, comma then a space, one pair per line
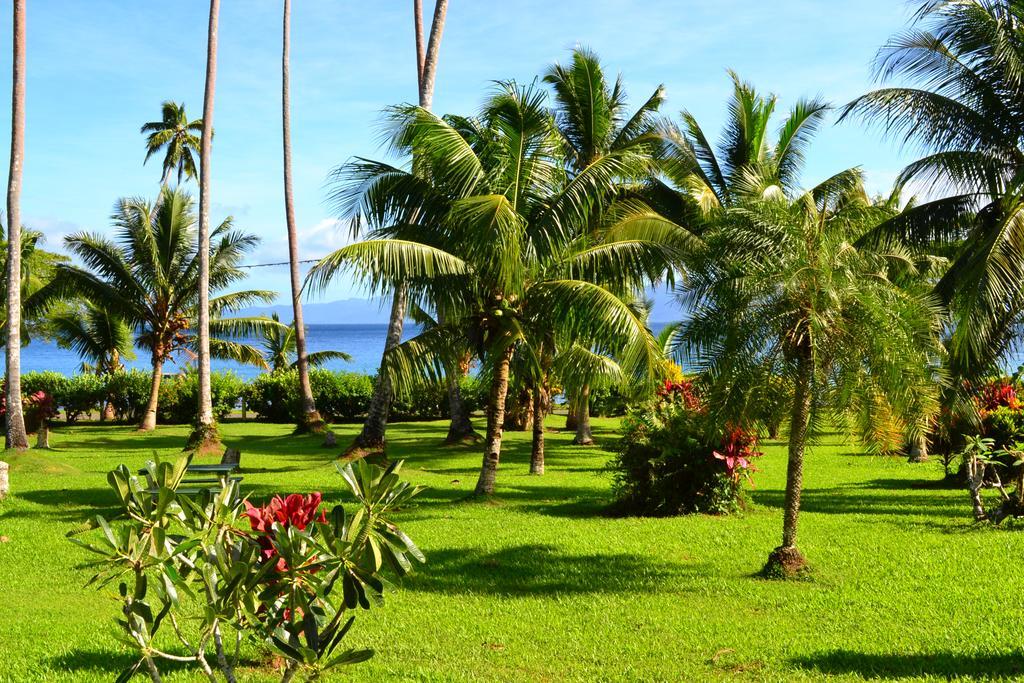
98, 69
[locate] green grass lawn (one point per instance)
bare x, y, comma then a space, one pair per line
537, 585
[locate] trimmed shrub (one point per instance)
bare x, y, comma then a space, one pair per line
179, 396
338, 395
129, 393
672, 459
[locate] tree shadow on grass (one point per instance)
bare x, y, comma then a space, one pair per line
947, 665
108, 661
845, 500
537, 569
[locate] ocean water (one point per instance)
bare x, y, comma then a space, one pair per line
365, 343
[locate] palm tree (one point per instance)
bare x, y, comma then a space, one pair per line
594, 122
489, 225
205, 436
310, 419
748, 164
37, 268
16, 436
174, 135
149, 277
372, 436
280, 348
100, 337
782, 291
960, 73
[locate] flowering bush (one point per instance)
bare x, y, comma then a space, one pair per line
673, 459
996, 394
294, 581
282, 513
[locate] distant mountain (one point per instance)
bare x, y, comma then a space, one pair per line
343, 312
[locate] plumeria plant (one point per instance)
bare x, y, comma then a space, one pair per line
290, 573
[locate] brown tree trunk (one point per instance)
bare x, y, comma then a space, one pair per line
205, 437
148, 423
918, 451
786, 560
519, 411
16, 435
571, 421
310, 420
108, 414
495, 420
43, 435
5, 481
373, 434
540, 411
421, 55
460, 427
584, 436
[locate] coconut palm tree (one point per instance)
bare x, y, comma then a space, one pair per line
100, 337
149, 277
205, 436
490, 225
701, 180
37, 268
310, 419
958, 74
372, 436
594, 122
280, 348
783, 290
174, 135
15, 420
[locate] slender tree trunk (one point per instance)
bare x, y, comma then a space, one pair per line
310, 419
5, 481
148, 423
372, 437
43, 435
16, 436
205, 437
373, 434
571, 421
786, 560
495, 421
584, 436
540, 410
460, 427
417, 19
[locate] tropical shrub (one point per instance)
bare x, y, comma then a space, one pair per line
339, 395
179, 396
293, 581
83, 394
128, 391
673, 459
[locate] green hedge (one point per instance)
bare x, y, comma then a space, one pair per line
340, 396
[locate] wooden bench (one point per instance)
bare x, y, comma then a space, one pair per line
216, 476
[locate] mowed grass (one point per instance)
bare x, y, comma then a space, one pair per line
538, 585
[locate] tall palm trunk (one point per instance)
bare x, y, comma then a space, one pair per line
786, 560
16, 436
540, 411
148, 423
373, 434
918, 448
310, 419
205, 436
584, 435
495, 422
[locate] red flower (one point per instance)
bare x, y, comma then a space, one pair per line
295, 510
737, 449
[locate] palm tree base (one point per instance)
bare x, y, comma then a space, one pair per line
372, 454
785, 562
311, 423
457, 437
204, 440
